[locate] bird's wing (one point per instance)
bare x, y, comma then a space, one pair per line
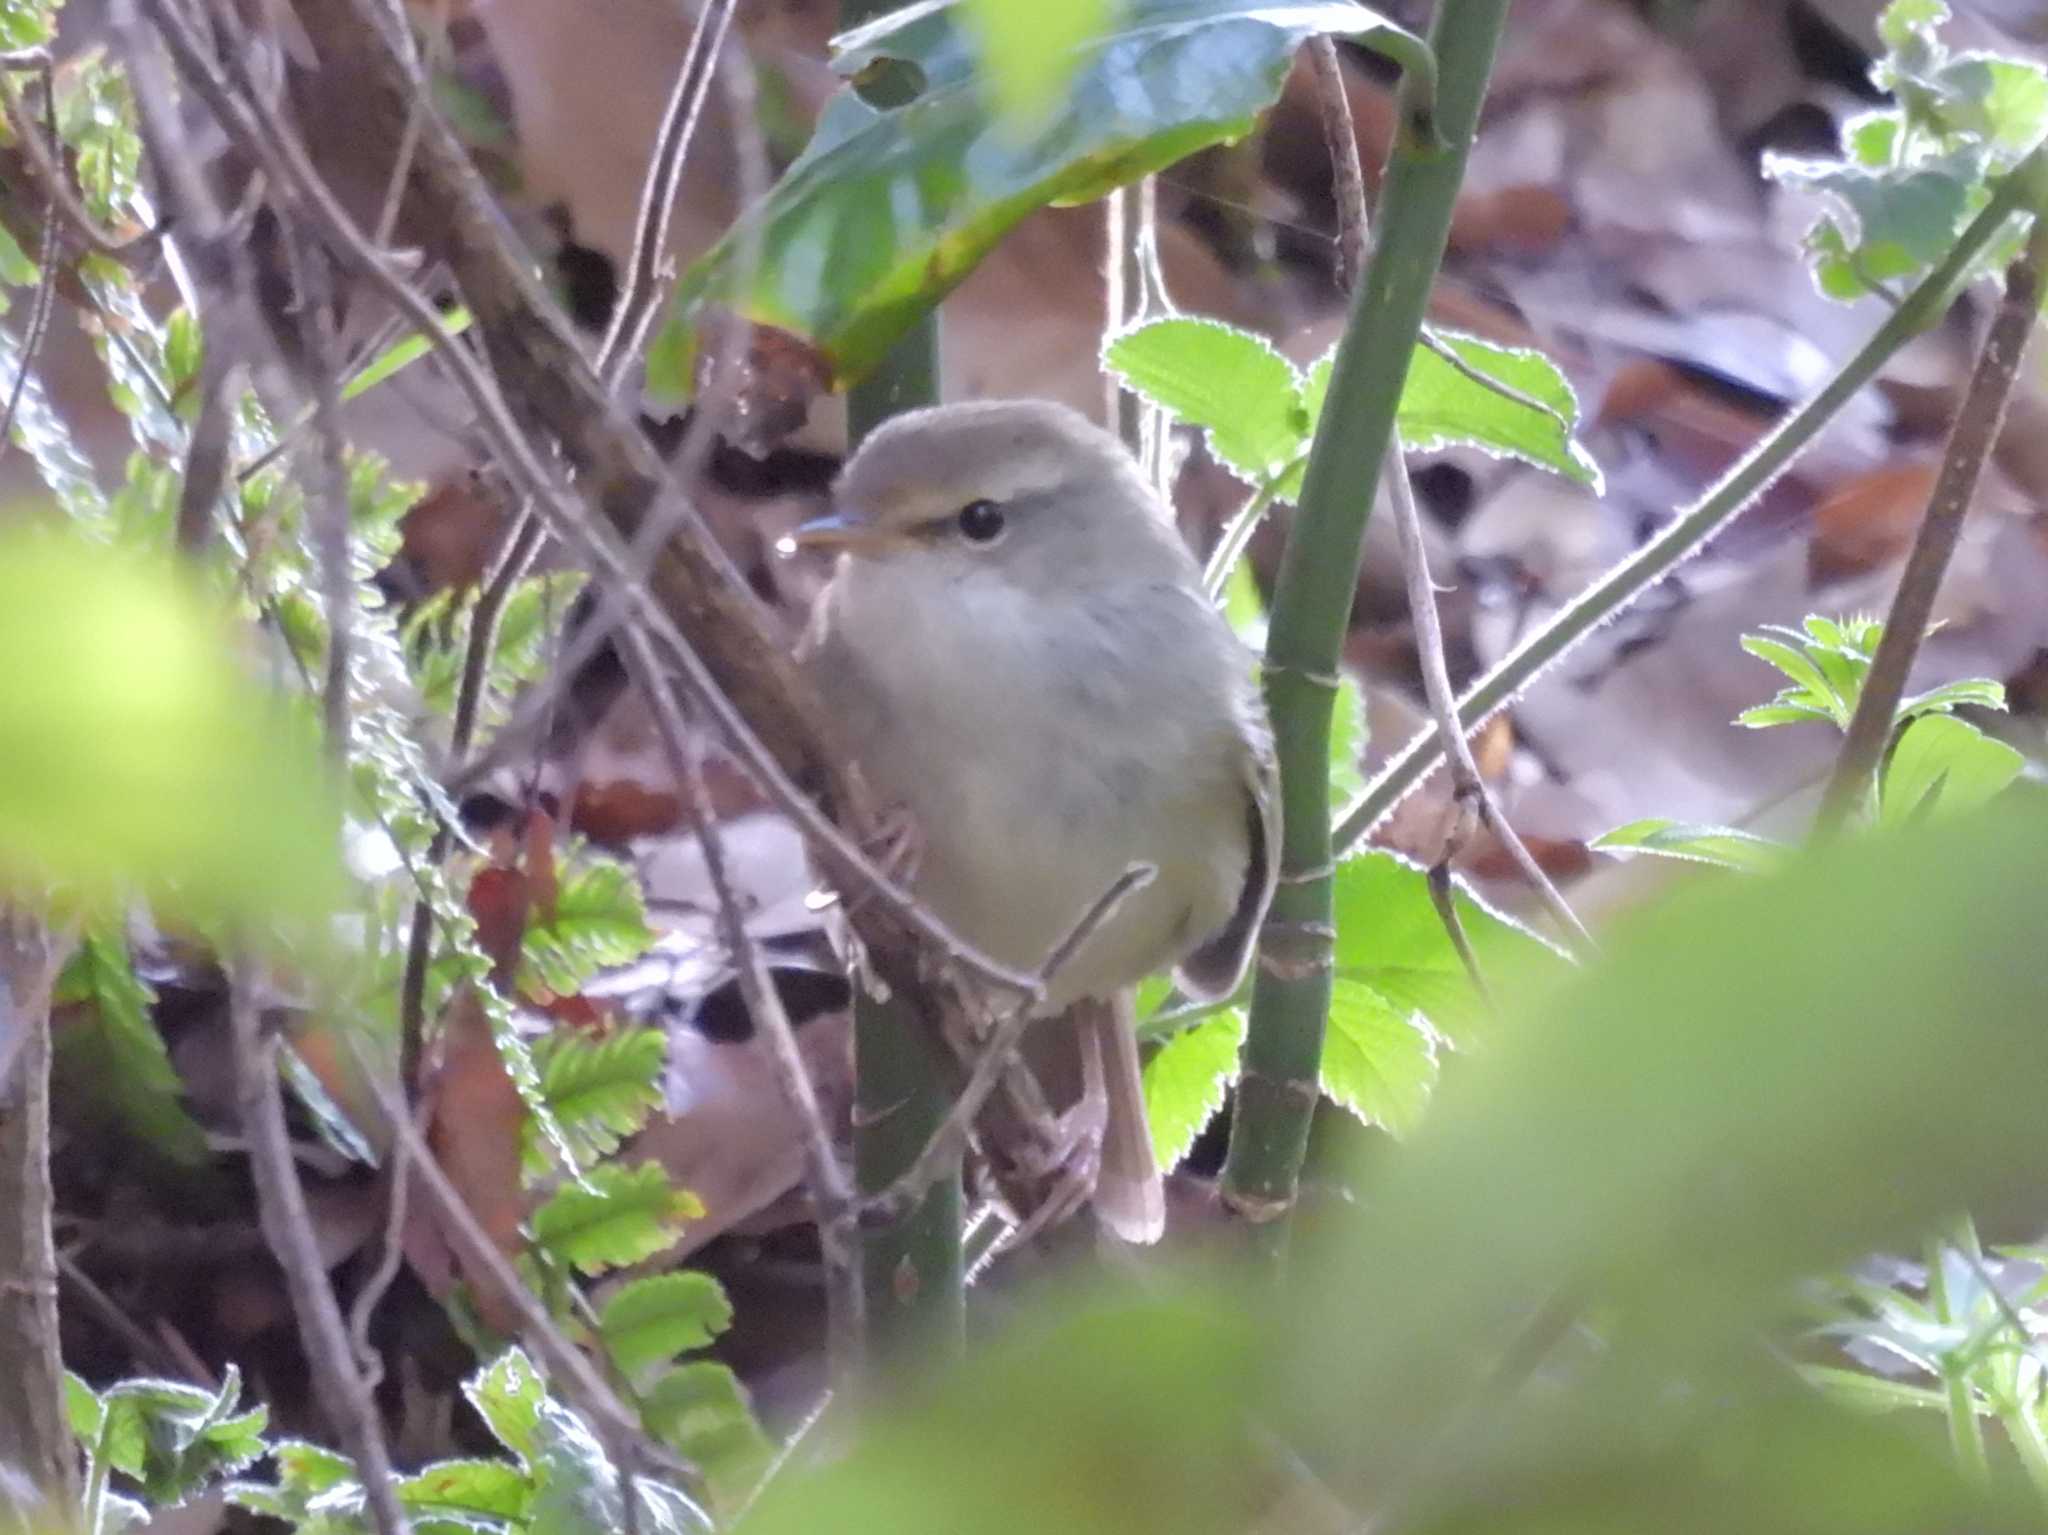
1217, 965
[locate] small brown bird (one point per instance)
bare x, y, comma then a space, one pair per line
1017, 641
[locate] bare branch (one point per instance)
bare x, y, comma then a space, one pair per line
831, 1188
1978, 420
288, 1228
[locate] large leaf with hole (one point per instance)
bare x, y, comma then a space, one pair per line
913, 174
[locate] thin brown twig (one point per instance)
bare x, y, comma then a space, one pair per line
42, 153
1976, 429
902, 1195
645, 269
1443, 895
288, 1228
46, 275
408, 140
1467, 782
268, 138
832, 1192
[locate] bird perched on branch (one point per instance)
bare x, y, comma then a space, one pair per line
1018, 644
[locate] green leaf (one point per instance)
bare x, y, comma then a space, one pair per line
1242, 393
175, 1439
650, 1321
599, 919
507, 1394
184, 350
109, 1053
137, 748
600, 1089
1441, 406
1379, 1061
700, 1411
1763, 716
1944, 765
17, 269
1390, 940
2004, 100
1809, 686
1972, 692
1722, 845
1028, 52
82, 1406
401, 355
27, 23
617, 1215
889, 207
494, 1490
1906, 22
1185, 1082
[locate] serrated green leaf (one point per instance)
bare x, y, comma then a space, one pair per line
1971, 692
652, 1320
228, 808
109, 1054
1242, 393
1390, 939
889, 207
2003, 99
1348, 741
1814, 689
1724, 846
600, 1089
701, 1411
599, 919
1763, 716
1904, 22
1441, 406
1942, 765
617, 1215
507, 1394
1379, 1061
494, 1489
175, 1439
1186, 1080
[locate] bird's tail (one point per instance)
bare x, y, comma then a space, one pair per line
1130, 1195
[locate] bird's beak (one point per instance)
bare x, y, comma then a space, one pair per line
838, 531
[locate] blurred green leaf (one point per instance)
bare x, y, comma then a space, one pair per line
1760, 1079
17, 269
175, 1439
27, 23
1722, 845
652, 1320
1028, 52
1185, 1082
137, 751
109, 1053
1944, 766
889, 207
614, 1216
400, 355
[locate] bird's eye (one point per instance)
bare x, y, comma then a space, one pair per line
981, 522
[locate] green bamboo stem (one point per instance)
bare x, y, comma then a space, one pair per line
1747, 479
1278, 1085
911, 1269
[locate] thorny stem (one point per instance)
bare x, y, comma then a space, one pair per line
1468, 785
1970, 441
1747, 479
